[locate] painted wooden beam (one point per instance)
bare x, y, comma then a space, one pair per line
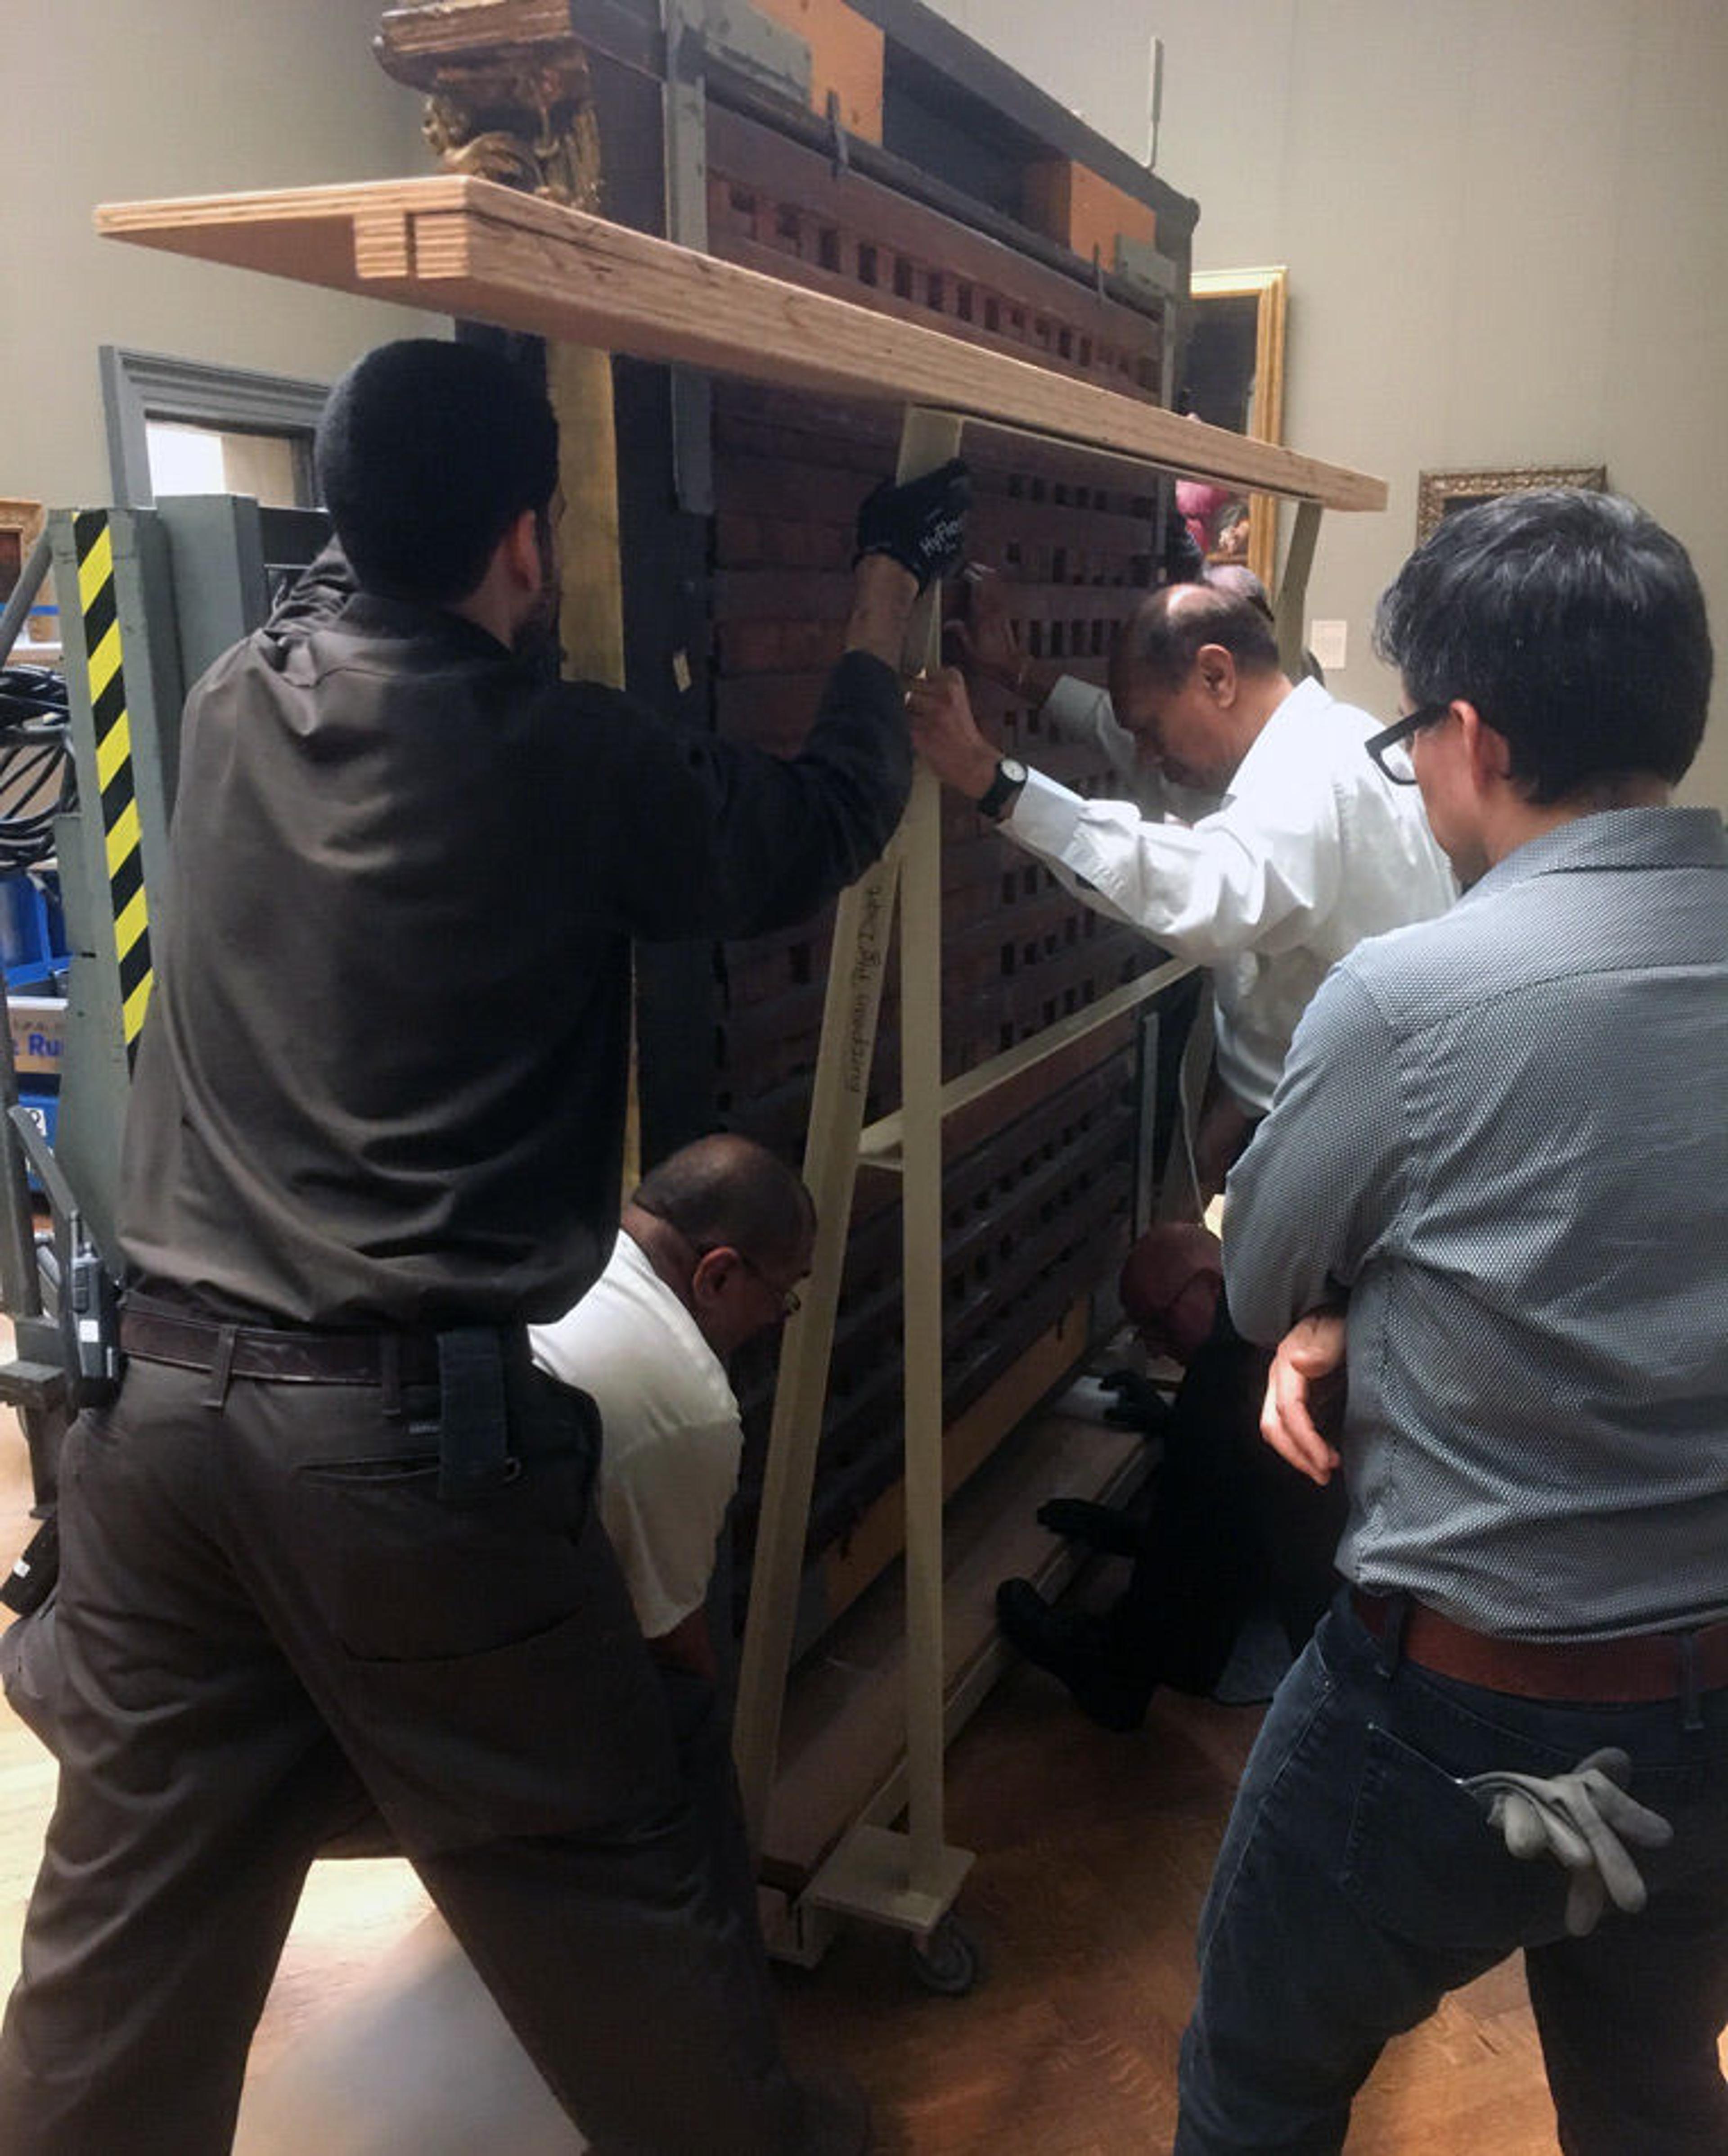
471, 247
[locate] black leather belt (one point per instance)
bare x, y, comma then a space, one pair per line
1647, 1665
286, 1358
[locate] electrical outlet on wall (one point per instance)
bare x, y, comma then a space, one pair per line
1329, 641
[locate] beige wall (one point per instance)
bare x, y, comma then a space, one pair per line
1094, 56
114, 99
1504, 222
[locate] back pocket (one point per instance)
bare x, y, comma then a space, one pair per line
1425, 1863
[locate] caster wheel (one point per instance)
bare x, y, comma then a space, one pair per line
948, 1961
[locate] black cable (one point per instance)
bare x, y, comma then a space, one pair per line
34, 746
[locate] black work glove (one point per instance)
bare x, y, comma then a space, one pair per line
920, 525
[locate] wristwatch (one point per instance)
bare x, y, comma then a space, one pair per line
1011, 775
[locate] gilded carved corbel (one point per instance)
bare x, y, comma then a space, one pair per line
509, 97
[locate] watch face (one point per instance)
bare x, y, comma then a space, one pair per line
1011, 776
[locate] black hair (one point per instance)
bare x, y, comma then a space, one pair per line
1162, 639
426, 452
1573, 622
728, 1189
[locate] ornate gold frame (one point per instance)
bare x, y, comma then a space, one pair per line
1439, 492
1269, 286
22, 521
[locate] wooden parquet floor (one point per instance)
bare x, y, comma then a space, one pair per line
1093, 1853
1093, 1856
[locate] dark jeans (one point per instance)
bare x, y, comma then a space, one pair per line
259, 1604
1232, 1526
1358, 1883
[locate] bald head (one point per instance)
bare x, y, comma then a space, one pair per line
729, 1189
1170, 1287
1164, 635
1195, 676
731, 1230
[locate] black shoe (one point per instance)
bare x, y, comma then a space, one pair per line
1141, 1403
1076, 1649
1104, 1528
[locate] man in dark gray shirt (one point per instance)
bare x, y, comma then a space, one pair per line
336, 1524
1495, 1182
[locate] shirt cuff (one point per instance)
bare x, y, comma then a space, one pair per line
1045, 816
1072, 705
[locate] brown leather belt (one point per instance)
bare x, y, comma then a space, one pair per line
1648, 1666
276, 1357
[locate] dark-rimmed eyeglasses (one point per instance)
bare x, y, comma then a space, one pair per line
1390, 748
790, 1301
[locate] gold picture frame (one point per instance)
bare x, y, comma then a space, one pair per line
1239, 315
1441, 493
20, 526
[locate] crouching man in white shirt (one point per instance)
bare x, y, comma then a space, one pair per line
712, 1247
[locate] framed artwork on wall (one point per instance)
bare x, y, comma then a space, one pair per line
20, 522
1443, 493
1232, 376
20, 527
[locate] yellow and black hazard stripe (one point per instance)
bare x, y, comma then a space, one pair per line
121, 838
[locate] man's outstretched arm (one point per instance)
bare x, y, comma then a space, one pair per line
1208, 892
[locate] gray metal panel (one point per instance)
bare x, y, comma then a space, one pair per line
95, 1075
221, 591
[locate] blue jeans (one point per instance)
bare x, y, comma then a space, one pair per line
1358, 1883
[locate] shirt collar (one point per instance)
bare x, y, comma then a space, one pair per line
372, 614
629, 1257
1650, 838
1297, 708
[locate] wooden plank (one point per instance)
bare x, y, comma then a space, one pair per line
849, 1567
882, 1140
486, 252
929, 440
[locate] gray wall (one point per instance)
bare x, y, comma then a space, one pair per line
1504, 223
116, 100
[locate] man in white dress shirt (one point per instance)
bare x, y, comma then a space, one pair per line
1309, 850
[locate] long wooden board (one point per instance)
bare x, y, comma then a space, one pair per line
469, 247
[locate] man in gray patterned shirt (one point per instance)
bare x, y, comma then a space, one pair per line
1495, 1181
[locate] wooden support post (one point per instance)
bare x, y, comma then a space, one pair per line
906, 1880
930, 439
837, 1107
1292, 587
